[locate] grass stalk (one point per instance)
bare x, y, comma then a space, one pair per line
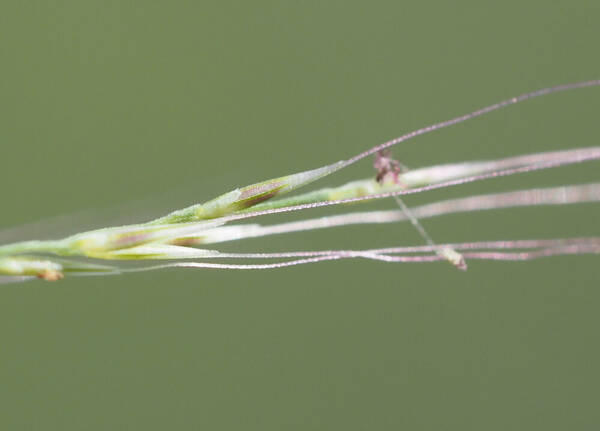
176, 235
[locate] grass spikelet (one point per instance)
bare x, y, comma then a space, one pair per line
246, 197
176, 235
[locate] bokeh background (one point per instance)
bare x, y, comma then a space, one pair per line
122, 110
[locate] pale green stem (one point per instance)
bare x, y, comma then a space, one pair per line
563, 195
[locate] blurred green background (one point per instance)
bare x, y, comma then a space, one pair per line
133, 108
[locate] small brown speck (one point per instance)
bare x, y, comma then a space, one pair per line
51, 275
